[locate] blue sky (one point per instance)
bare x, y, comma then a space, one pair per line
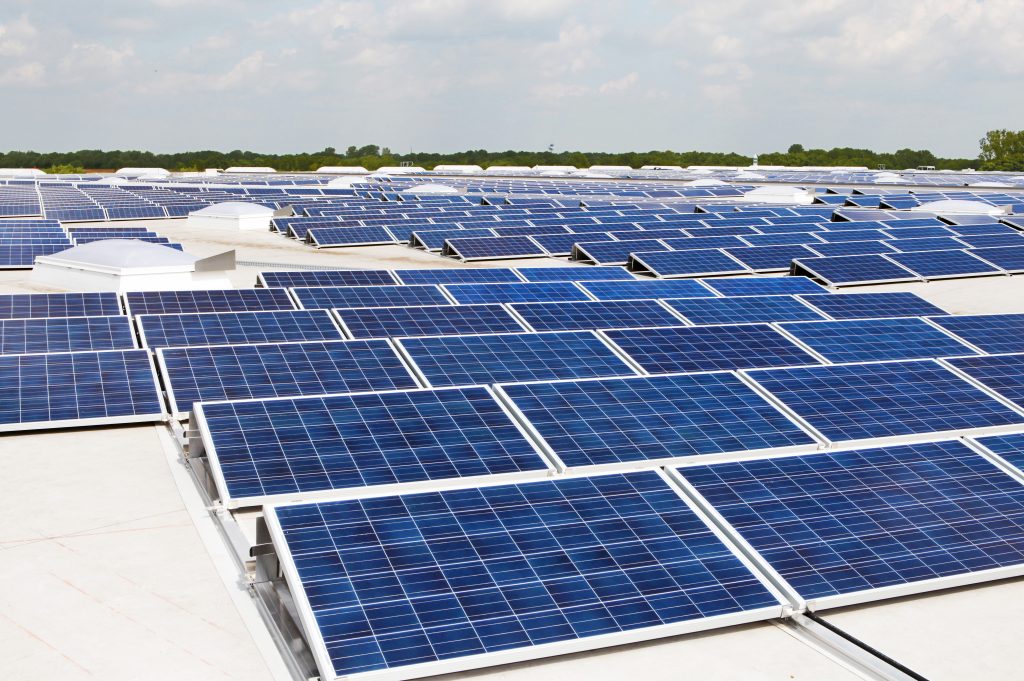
446, 75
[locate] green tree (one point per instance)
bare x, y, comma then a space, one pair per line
1002, 150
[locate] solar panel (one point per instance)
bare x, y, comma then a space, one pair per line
424, 320
897, 231
635, 290
325, 278
695, 263
691, 243
1003, 374
238, 372
853, 269
763, 286
580, 273
743, 310
991, 240
669, 350
65, 334
236, 328
936, 243
434, 239
652, 419
1009, 447
492, 248
369, 296
516, 293
511, 357
614, 252
36, 305
296, 447
226, 300
834, 237
369, 235
866, 340
867, 524
561, 244
853, 248
992, 333
783, 239
493, 275
62, 390
852, 402
1007, 258
770, 258
942, 264
594, 315
868, 305
462, 579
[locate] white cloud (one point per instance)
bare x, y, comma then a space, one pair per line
29, 73
619, 84
16, 37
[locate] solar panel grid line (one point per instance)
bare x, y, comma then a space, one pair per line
978, 444
928, 265
673, 264
289, 279
742, 310
952, 334
289, 325
203, 441
581, 642
539, 317
331, 297
45, 335
999, 384
490, 275
819, 268
359, 323
200, 300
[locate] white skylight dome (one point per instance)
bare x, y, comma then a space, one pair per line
139, 172
781, 194
234, 215
346, 181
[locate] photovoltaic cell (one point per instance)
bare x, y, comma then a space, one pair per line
516, 293
853, 248
868, 305
369, 296
327, 278
605, 314
992, 333
323, 237
268, 448
861, 524
693, 263
440, 320
854, 269
763, 286
866, 340
636, 290
770, 258
851, 402
227, 300
493, 275
512, 357
743, 310
425, 578
1009, 447
35, 305
1002, 373
581, 273
65, 334
237, 328
614, 252
1008, 258
610, 421
669, 350
491, 248
239, 372
933, 264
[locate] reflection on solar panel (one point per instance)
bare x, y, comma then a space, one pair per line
35, 305
1009, 447
668, 264
65, 334
512, 357
743, 310
866, 340
532, 570
634, 290
78, 388
852, 248
227, 300
851, 402
493, 275
992, 333
227, 328
669, 350
941, 264
609, 421
763, 286
770, 258
1008, 258
516, 293
326, 278
324, 237
594, 315
869, 305
1002, 373
268, 448
238, 372
580, 273
369, 296
440, 320
862, 525
853, 269
492, 248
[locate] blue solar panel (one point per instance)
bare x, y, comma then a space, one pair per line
369, 296
1008, 258
493, 275
743, 310
327, 278
850, 524
897, 231
65, 334
990, 228
1009, 447
763, 286
936, 243
634, 290
510, 357
580, 273
238, 372
561, 244
516, 293
694, 263
836, 237
770, 258
669, 350
692, 243
35, 305
991, 240
938, 264
866, 340
853, 248
227, 300
992, 333
850, 402
609, 421
267, 448
78, 388
433, 240
236, 328
614, 252
594, 315
419, 579
492, 248
869, 305
853, 269
1002, 373
323, 237
424, 320
784, 239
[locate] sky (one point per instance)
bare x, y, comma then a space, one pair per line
450, 75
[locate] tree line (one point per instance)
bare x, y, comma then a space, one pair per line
1000, 150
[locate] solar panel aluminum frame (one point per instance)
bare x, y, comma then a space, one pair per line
636, 263
318, 648
801, 604
798, 268
201, 443
974, 441
624, 466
